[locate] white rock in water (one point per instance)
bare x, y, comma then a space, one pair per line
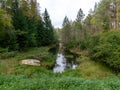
32, 62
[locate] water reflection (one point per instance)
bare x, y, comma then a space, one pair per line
60, 63
63, 63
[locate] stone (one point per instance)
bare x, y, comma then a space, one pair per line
32, 62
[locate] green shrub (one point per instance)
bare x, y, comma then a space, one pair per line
92, 42
7, 55
2, 50
71, 44
35, 56
107, 49
73, 73
84, 43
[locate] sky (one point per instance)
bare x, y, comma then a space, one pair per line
58, 9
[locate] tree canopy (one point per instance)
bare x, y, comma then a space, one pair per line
23, 18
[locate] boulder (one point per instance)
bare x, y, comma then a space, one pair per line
32, 62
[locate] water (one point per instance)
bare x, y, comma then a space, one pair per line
63, 63
60, 65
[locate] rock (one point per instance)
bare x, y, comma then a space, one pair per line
32, 62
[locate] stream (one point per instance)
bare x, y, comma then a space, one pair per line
64, 61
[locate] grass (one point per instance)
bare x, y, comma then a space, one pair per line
86, 67
7, 65
24, 77
42, 81
30, 52
11, 65
15, 76
91, 69
73, 73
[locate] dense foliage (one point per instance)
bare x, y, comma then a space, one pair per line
106, 49
95, 34
22, 25
7, 33
52, 82
72, 31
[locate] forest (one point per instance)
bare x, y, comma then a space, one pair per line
92, 40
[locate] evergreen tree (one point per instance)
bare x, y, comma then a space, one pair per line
80, 15
49, 36
80, 32
19, 21
20, 25
34, 8
66, 31
65, 21
28, 25
40, 34
25, 16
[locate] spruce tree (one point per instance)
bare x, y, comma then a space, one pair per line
66, 31
49, 33
65, 21
20, 25
80, 15
40, 34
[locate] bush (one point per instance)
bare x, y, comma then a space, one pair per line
107, 49
73, 73
93, 41
84, 43
47, 59
71, 44
48, 82
2, 50
7, 55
